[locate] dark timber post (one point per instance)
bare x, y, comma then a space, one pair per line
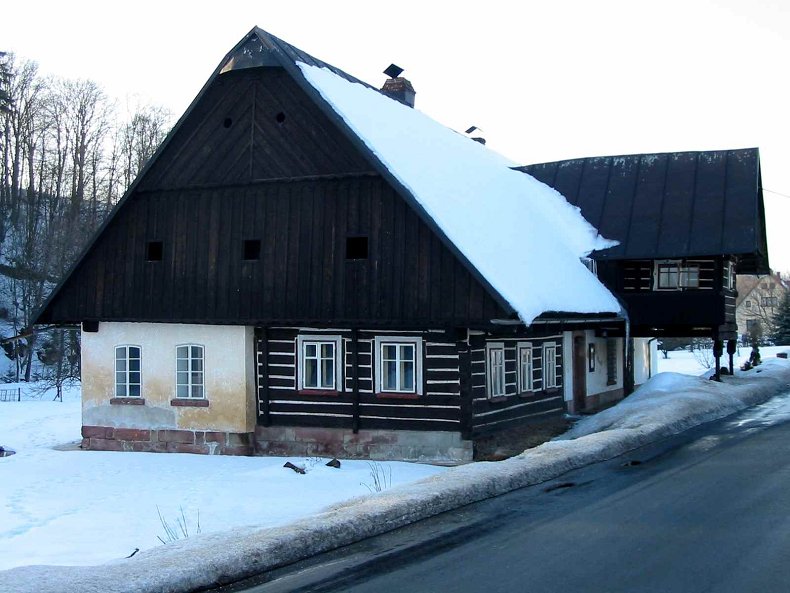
465, 371
732, 346
628, 366
718, 347
355, 379
262, 371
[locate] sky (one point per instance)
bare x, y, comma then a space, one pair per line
544, 80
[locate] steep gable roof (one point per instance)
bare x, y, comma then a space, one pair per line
520, 239
665, 205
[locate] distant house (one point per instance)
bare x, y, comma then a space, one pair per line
307, 266
686, 223
758, 301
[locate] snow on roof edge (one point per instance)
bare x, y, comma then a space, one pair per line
521, 235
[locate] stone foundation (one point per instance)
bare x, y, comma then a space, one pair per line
108, 438
390, 445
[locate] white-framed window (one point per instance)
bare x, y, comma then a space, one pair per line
525, 367
769, 301
674, 275
320, 363
495, 368
748, 304
128, 371
728, 275
549, 366
398, 364
190, 371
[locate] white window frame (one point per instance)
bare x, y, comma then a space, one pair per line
528, 385
301, 341
492, 381
682, 272
549, 380
190, 384
729, 275
126, 383
379, 342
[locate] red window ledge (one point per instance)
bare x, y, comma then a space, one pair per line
127, 401
318, 392
396, 395
189, 403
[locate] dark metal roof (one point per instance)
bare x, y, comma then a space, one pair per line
669, 205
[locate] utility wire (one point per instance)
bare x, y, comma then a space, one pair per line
778, 193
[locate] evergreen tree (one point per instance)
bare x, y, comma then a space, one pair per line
781, 322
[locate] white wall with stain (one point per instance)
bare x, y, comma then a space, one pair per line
229, 377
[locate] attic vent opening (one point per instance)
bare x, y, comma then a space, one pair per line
154, 251
356, 248
228, 122
280, 117
251, 250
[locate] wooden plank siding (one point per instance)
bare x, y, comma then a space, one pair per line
513, 408
302, 274
280, 402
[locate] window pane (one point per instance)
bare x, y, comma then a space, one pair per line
182, 378
327, 373
310, 350
182, 391
182, 352
390, 375
120, 390
120, 365
407, 375
197, 364
197, 352
134, 352
388, 352
120, 353
407, 352
311, 373
327, 350
134, 377
197, 391
134, 364
197, 378
134, 390
182, 364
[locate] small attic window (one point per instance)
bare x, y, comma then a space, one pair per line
356, 248
228, 122
154, 251
251, 250
280, 117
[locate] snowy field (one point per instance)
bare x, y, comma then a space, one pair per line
73, 507
693, 363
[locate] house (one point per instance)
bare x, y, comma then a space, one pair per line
758, 301
686, 224
307, 266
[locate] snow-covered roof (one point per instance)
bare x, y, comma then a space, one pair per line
522, 236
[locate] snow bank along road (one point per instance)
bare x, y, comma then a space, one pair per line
667, 404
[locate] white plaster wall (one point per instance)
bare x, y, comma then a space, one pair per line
645, 359
567, 365
596, 381
229, 377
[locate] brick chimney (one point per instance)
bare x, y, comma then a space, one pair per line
398, 88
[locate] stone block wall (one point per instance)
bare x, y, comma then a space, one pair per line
108, 438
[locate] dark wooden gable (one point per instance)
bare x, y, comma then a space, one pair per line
297, 190
251, 125
669, 205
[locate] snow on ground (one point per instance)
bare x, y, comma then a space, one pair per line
694, 363
522, 235
674, 402
74, 507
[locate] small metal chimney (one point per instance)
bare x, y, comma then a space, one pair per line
397, 87
477, 137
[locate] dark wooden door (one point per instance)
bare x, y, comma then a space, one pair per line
579, 372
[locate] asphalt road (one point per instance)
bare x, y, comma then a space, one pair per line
706, 511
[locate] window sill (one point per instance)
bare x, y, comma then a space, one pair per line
499, 399
327, 392
396, 395
127, 401
189, 403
